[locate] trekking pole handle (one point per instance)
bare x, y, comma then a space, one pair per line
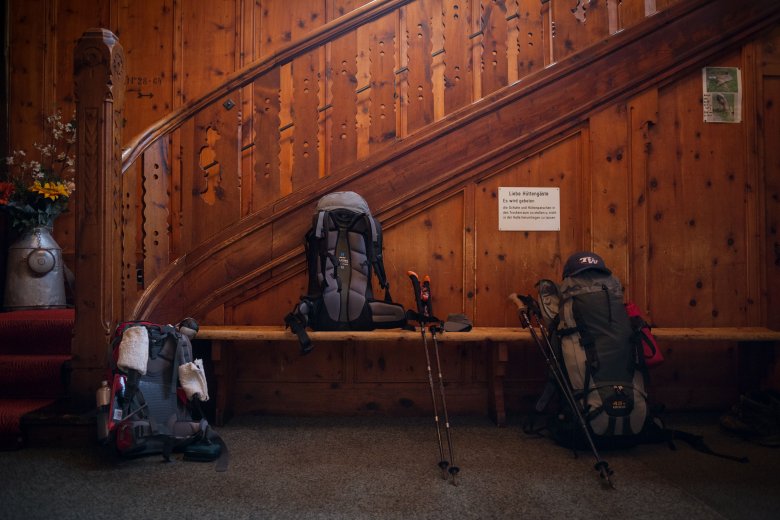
524, 304
417, 292
521, 309
426, 296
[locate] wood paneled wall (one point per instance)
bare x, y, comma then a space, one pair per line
685, 212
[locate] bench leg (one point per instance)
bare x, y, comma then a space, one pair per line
756, 361
223, 373
496, 373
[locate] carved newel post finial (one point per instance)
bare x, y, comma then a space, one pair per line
99, 79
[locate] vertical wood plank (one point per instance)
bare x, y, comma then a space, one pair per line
437, 58
419, 35
214, 184
530, 38
286, 129
578, 24
629, 12
436, 250
754, 200
643, 119
156, 183
306, 95
363, 91
493, 64
609, 167
148, 30
342, 77
548, 34
458, 59
382, 58
26, 72
469, 251
770, 109
305, 120
248, 15
509, 261
189, 163
132, 248
266, 180
209, 46
687, 191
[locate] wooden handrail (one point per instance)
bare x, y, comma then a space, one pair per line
325, 33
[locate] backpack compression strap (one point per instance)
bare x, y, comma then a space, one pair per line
296, 321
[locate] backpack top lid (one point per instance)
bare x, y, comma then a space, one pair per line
343, 200
584, 260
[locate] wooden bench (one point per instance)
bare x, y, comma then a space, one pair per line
221, 337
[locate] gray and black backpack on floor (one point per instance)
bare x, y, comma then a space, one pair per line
599, 348
343, 253
600, 353
152, 405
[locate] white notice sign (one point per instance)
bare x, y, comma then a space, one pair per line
529, 209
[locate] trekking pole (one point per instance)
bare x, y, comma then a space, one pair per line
420, 300
453, 469
524, 303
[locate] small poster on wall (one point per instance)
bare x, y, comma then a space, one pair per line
722, 96
529, 209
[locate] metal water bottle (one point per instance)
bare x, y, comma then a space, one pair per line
103, 398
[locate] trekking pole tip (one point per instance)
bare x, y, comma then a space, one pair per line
605, 473
444, 465
454, 470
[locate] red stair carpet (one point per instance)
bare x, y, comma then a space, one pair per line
34, 366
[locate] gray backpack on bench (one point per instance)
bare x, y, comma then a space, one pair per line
343, 253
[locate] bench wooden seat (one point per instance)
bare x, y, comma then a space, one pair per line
221, 336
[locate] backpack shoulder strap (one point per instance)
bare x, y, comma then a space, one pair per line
376, 257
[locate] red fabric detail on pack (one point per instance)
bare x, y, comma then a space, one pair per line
653, 355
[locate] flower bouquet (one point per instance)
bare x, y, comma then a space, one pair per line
34, 192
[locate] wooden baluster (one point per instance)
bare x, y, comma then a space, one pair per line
420, 87
341, 116
458, 63
494, 51
132, 280
382, 106
305, 117
530, 54
266, 181
156, 181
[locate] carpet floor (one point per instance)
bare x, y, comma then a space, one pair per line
334, 468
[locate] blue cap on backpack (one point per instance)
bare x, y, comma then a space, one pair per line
582, 261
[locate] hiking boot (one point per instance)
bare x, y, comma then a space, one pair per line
756, 418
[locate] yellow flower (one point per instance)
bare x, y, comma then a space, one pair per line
50, 190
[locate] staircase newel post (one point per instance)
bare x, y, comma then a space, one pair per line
99, 79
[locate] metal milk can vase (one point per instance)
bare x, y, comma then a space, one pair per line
35, 276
